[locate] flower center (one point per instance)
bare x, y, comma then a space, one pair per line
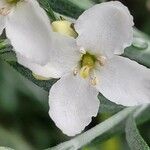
87, 63
87, 66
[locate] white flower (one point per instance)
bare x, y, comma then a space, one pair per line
91, 64
28, 28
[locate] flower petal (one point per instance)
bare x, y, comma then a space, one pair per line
65, 55
2, 23
105, 28
64, 58
46, 71
29, 31
73, 102
125, 82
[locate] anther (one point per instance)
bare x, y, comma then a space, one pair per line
102, 60
5, 11
75, 71
82, 50
85, 71
94, 81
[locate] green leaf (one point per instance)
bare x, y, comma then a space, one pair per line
104, 130
72, 8
14, 140
133, 137
47, 7
139, 54
9, 56
96, 132
5, 148
46, 85
108, 106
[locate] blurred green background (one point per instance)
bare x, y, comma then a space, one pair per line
24, 120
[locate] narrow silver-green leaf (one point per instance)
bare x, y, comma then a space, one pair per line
108, 106
139, 51
104, 130
72, 8
133, 137
14, 140
5, 148
92, 134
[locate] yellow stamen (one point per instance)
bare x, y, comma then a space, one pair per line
85, 71
12, 1
87, 63
64, 27
38, 77
88, 60
82, 50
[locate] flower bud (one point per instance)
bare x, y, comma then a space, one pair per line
64, 27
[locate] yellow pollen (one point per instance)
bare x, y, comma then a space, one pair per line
64, 27
87, 63
85, 71
12, 1
88, 60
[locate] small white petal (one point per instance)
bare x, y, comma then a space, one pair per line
105, 28
29, 31
125, 82
2, 23
64, 54
73, 103
47, 71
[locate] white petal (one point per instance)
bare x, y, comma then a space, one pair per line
105, 28
64, 54
2, 23
125, 82
73, 102
47, 71
28, 29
